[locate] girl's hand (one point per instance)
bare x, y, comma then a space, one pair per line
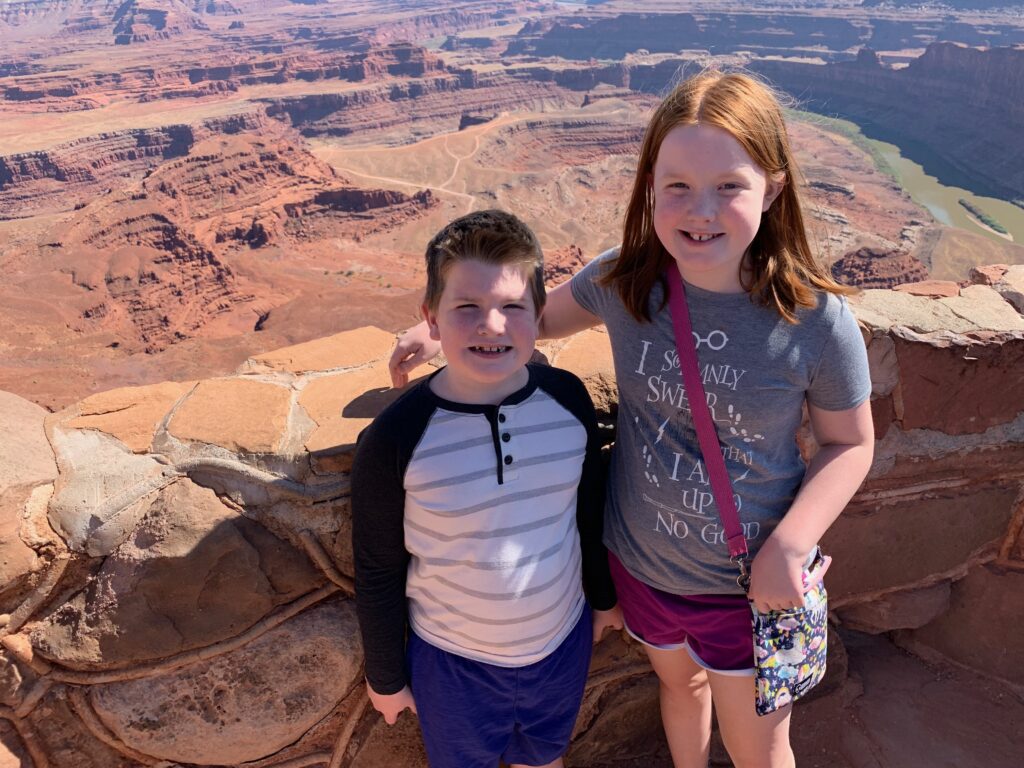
604, 620
776, 578
414, 348
391, 705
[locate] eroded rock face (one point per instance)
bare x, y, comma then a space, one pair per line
184, 587
247, 703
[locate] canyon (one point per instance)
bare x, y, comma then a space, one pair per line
211, 209
183, 184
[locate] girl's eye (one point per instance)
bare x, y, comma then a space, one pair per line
466, 306
679, 185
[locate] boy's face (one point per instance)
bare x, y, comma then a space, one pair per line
487, 325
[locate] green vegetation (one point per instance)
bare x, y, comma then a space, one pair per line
983, 217
851, 131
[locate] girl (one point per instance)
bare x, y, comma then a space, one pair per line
715, 198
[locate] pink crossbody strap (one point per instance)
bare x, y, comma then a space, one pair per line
710, 447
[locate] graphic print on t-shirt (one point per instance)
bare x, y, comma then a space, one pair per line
693, 505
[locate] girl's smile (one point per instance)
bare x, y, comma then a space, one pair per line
709, 195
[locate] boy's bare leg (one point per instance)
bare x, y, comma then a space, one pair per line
556, 764
685, 706
752, 741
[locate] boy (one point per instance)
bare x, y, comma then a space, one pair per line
476, 499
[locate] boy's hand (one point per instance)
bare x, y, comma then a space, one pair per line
391, 705
414, 348
776, 578
604, 620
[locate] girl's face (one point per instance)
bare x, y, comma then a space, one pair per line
709, 195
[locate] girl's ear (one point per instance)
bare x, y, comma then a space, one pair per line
773, 189
431, 319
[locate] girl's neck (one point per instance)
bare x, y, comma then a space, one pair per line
715, 281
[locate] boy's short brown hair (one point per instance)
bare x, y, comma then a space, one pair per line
493, 237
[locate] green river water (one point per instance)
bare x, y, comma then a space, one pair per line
941, 200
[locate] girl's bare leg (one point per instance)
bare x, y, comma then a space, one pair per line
752, 741
685, 706
556, 764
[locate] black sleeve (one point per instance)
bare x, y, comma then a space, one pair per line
572, 395
378, 538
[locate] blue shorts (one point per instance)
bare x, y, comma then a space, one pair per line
473, 714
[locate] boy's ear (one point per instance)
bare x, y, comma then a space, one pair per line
431, 319
774, 188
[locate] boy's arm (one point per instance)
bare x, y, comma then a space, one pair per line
597, 580
381, 560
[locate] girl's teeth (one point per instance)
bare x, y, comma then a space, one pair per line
701, 238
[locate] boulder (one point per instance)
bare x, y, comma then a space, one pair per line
247, 703
192, 573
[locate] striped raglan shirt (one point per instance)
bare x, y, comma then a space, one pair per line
472, 524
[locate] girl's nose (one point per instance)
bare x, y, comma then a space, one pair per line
703, 205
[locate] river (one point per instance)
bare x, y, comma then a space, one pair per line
941, 200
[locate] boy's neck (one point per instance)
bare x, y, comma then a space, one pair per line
454, 389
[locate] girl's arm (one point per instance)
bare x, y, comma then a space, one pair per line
833, 476
562, 317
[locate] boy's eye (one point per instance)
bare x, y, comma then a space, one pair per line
515, 306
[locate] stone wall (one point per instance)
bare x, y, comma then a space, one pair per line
176, 565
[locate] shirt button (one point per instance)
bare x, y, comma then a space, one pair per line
508, 460
506, 437
501, 417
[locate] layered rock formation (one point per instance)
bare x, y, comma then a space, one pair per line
932, 109
177, 560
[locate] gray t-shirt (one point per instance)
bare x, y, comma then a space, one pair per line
661, 519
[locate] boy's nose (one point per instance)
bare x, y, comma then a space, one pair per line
493, 322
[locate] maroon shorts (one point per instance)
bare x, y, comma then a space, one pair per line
716, 630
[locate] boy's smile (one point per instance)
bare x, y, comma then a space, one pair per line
709, 195
487, 325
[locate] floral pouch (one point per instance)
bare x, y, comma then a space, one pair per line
790, 646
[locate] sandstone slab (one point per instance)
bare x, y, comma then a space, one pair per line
25, 455
245, 704
882, 310
912, 714
932, 289
989, 274
131, 414
985, 309
241, 415
958, 385
342, 350
899, 545
982, 628
883, 365
1011, 287
192, 573
103, 490
343, 404
26, 461
897, 610
65, 739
